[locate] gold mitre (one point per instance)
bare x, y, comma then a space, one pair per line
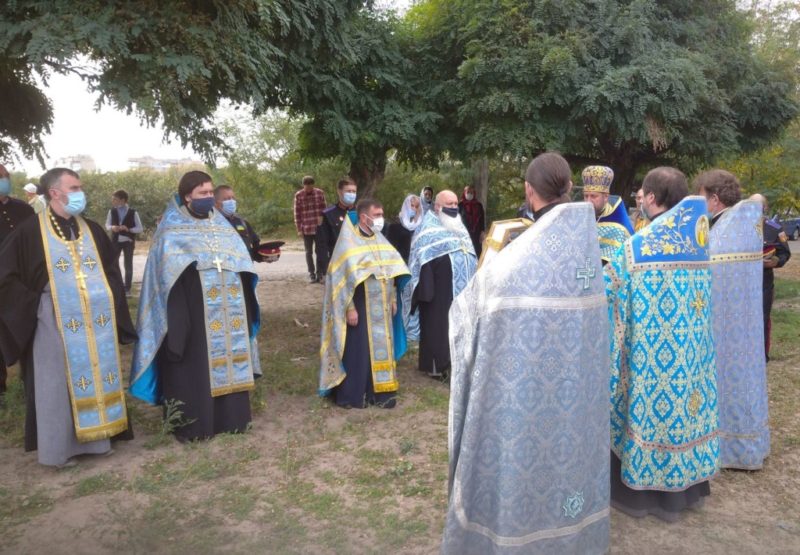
597, 179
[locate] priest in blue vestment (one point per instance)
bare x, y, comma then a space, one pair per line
528, 426
362, 334
664, 413
613, 224
198, 318
736, 264
442, 262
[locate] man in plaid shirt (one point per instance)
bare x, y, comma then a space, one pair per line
309, 202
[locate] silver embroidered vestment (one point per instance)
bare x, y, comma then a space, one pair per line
737, 312
528, 425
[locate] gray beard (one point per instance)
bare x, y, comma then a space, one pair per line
452, 224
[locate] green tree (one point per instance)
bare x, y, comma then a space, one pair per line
631, 83
171, 62
363, 106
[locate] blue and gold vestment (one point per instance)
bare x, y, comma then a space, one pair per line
84, 309
430, 241
220, 256
736, 258
664, 413
614, 227
373, 261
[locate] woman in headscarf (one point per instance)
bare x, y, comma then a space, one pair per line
426, 198
474, 217
410, 217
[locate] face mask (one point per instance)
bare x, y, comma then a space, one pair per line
349, 198
452, 212
5, 186
76, 202
202, 206
469, 196
411, 212
377, 224
229, 206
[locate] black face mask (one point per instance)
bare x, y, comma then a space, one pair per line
452, 212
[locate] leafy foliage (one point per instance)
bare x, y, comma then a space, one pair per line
172, 62
631, 83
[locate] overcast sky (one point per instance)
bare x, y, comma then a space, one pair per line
108, 136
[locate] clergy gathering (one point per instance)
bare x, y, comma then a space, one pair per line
452, 277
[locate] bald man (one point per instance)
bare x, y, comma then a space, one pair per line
776, 254
442, 261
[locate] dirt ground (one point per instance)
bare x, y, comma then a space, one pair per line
311, 478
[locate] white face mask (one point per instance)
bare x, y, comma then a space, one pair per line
377, 224
469, 196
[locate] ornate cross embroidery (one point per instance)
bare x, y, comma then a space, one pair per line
694, 403
233, 291
89, 262
573, 505
213, 293
236, 323
102, 320
83, 383
62, 264
586, 273
110, 378
698, 304
215, 326
74, 325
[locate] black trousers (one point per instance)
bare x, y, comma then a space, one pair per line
309, 243
3, 374
126, 247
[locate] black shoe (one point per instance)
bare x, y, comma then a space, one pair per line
390, 404
321, 279
312, 278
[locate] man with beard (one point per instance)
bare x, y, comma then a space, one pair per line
442, 262
613, 224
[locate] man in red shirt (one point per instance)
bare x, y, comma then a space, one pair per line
309, 202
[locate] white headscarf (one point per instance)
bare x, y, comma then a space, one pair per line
410, 223
426, 205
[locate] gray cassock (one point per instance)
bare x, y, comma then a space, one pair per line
529, 405
57, 442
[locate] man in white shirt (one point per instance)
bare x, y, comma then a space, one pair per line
123, 222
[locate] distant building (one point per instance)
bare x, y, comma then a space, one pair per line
160, 164
79, 163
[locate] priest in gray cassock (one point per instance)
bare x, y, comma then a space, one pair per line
529, 403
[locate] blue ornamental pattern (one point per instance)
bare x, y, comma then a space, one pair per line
528, 425
614, 227
736, 255
430, 241
664, 413
180, 241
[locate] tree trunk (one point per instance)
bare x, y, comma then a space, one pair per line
368, 175
480, 179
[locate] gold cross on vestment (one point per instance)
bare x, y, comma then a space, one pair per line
83, 383
89, 262
74, 325
102, 320
62, 264
110, 378
218, 263
698, 304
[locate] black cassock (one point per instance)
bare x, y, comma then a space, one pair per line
23, 277
400, 238
432, 298
356, 390
183, 365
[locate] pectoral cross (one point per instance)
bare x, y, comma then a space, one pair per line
218, 263
586, 273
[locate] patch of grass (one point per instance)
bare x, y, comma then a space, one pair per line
18, 508
406, 445
12, 412
100, 483
786, 289
238, 501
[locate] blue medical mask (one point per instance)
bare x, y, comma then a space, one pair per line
229, 206
76, 203
202, 206
349, 198
411, 212
452, 212
5, 186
